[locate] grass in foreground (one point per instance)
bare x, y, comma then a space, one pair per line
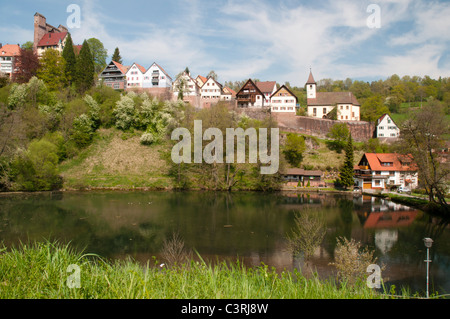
40, 271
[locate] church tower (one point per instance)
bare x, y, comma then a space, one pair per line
311, 87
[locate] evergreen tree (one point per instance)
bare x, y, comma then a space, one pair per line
84, 78
346, 173
69, 55
116, 56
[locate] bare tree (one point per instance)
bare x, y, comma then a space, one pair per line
423, 137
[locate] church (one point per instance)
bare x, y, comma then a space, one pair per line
321, 104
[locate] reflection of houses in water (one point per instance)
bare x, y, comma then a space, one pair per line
385, 239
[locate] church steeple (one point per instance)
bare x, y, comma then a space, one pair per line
311, 86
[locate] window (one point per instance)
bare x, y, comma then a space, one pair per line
346, 117
377, 182
353, 114
381, 127
346, 107
324, 110
314, 111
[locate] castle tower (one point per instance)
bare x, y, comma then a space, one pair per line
40, 29
311, 87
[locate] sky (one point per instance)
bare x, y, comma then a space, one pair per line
264, 39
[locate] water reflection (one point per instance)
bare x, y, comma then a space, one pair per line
250, 226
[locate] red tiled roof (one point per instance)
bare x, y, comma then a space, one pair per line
267, 86
51, 38
122, 68
77, 48
332, 98
202, 78
10, 50
229, 91
399, 162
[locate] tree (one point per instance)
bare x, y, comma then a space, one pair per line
339, 133
346, 172
99, 54
69, 56
212, 74
84, 78
51, 70
294, 148
27, 45
27, 65
423, 137
116, 56
373, 108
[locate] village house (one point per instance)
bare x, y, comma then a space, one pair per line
157, 81
283, 100
189, 87
267, 88
386, 127
250, 96
135, 76
114, 76
382, 171
8, 58
47, 36
320, 104
303, 178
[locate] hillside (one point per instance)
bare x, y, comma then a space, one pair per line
116, 160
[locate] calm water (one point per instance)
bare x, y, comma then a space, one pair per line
251, 226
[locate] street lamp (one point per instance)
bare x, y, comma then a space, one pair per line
428, 243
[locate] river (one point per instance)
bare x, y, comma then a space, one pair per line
246, 225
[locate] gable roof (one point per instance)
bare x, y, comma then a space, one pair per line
333, 98
51, 38
398, 162
140, 67
10, 50
211, 78
302, 172
227, 90
266, 86
286, 88
202, 78
121, 67
382, 118
249, 81
159, 67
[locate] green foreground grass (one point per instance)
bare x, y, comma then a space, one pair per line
41, 271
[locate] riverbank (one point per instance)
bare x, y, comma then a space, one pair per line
42, 270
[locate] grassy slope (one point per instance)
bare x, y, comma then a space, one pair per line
114, 161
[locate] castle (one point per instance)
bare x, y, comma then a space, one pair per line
47, 36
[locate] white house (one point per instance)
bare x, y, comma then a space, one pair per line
135, 76
156, 77
320, 104
386, 170
8, 57
267, 88
189, 87
283, 100
386, 127
211, 89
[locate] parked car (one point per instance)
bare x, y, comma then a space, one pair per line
404, 189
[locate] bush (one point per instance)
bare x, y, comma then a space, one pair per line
147, 139
82, 131
36, 168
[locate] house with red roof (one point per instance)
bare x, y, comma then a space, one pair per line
135, 76
267, 88
47, 36
385, 171
320, 104
8, 57
189, 87
114, 76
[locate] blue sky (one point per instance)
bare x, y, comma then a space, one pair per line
269, 40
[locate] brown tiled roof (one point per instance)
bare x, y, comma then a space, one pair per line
51, 38
267, 86
303, 172
332, 98
310, 79
10, 50
287, 89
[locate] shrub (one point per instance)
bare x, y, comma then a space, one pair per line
147, 139
82, 131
